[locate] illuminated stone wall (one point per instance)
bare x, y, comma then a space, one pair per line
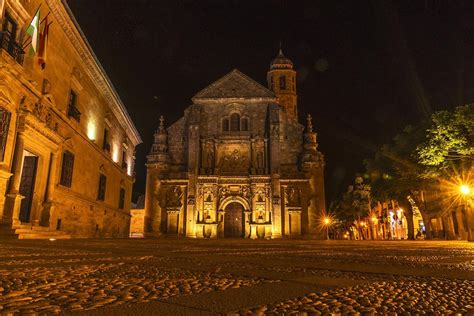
39, 100
235, 165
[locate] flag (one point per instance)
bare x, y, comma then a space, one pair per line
43, 42
33, 31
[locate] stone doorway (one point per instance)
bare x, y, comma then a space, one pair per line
234, 220
27, 185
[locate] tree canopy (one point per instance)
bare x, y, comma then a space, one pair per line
449, 138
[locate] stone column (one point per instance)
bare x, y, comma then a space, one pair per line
193, 165
4, 176
17, 163
14, 198
48, 204
153, 214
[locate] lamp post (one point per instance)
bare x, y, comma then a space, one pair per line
327, 222
467, 192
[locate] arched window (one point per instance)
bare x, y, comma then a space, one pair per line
235, 122
225, 125
244, 124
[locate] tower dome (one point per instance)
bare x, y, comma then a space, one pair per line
281, 62
281, 79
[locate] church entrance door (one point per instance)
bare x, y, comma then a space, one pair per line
233, 220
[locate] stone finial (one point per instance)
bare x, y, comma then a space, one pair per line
309, 124
161, 129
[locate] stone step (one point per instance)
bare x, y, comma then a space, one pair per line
33, 235
32, 227
28, 231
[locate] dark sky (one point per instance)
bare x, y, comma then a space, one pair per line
365, 68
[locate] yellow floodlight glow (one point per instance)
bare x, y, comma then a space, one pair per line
91, 130
115, 154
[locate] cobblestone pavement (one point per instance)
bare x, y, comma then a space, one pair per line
164, 276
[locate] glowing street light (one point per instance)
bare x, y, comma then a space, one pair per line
327, 223
465, 189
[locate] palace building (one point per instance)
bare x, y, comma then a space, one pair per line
67, 142
237, 164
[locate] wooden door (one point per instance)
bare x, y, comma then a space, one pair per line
233, 220
27, 186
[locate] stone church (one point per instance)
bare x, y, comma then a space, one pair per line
237, 163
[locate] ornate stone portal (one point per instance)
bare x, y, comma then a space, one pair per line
237, 164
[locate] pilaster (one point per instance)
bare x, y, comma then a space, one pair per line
313, 166
157, 168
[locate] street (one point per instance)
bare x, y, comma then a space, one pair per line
182, 276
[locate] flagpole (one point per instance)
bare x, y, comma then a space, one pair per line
45, 18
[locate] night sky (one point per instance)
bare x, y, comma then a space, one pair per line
365, 68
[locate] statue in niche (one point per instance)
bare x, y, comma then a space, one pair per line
260, 162
245, 191
46, 87
174, 196
275, 130
293, 196
208, 195
210, 160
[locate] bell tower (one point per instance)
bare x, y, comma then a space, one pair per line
281, 80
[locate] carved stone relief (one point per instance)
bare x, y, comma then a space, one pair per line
233, 162
293, 196
174, 197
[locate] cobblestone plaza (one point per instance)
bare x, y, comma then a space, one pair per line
177, 276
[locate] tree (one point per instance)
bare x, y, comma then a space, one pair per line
450, 138
354, 205
395, 173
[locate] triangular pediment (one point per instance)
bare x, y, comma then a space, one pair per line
234, 85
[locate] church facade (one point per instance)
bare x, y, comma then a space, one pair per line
237, 164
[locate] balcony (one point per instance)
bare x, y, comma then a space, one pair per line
13, 48
74, 113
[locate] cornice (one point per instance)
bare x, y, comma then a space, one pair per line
65, 18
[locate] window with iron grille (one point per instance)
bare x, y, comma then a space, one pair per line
72, 110
105, 144
8, 41
102, 186
122, 198
67, 169
4, 124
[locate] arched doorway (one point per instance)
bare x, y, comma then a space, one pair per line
234, 220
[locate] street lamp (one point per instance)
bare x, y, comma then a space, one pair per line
465, 189
327, 223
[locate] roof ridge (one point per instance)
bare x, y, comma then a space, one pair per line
237, 72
